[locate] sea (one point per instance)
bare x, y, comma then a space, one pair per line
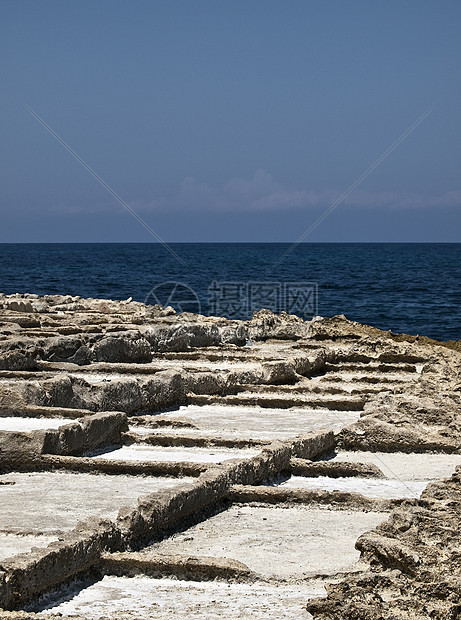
413, 288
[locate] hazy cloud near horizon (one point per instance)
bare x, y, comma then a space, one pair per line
263, 193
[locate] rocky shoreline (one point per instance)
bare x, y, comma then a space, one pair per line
160, 432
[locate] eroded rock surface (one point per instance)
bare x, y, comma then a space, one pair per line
321, 421
414, 559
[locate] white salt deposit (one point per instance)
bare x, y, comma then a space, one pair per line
283, 542
194, 455
98, 377
370, 487
263, 422
209, 365
401, 466
53, 502
163, 599
20, 424
12, 544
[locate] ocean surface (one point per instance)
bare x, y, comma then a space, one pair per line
412, 288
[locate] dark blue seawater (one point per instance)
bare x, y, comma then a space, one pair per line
413, 288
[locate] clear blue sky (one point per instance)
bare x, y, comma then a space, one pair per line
230, 120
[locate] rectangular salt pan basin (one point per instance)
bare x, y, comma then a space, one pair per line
401, 466
373, 488
262, 422
193, 455
164, 599
53, 502
288, 542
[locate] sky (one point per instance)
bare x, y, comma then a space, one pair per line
230, 120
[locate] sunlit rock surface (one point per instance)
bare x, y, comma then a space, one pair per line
277, 466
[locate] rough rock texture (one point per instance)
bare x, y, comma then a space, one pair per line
121, 372
415, 563
302, 467
424, 417
75, 438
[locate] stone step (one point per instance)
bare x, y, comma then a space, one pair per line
191, 439
339, 500
334, 469
281, 401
